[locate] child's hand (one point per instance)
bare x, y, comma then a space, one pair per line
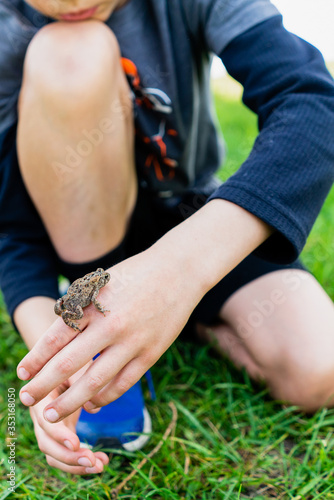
149, 304
150, 298
60, 443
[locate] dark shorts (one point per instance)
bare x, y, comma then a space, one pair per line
151, 219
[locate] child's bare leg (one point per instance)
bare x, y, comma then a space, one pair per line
280, 328
76, 138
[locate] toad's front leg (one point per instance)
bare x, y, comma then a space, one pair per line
58, 309
69, 316
97, 304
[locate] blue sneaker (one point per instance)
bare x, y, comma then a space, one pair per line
118, 424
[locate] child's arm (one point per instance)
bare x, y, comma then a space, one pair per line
164, 284
290, 170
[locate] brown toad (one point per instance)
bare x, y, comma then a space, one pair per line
80, 294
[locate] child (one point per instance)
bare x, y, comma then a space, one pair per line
116, 154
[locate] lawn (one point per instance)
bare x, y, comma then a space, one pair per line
231, 440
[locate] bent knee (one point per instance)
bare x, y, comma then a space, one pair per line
70, 59
309, 387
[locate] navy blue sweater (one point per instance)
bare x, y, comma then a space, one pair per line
290, 170
284, 181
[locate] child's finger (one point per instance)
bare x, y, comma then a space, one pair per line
125, 379
60, 433
63, 432
105, 368
73, 356
102, 456
97, 469
54, 339
49, 445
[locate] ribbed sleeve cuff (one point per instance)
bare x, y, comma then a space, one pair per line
285, 245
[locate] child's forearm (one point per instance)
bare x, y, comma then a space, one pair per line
209, 244
33, 317
213, 241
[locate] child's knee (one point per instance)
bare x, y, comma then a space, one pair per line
304, 380
72, 61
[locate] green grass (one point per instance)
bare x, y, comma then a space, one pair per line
232, 441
